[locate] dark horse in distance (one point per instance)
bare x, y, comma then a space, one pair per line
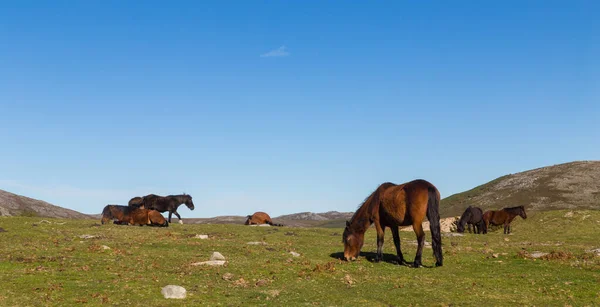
392, 205
163, 203
503, 217
472, 216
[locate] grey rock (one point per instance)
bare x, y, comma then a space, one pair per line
172, 291
217, 256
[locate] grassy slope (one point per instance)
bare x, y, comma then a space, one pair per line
49, 264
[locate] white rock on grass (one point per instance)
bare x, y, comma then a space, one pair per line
264, 225
217, 256
537, 254
172, 291
210, 263
257, 243
105, 247
202, 237
87, 236
294, 254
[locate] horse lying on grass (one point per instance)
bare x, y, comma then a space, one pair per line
259, 218
132, 216
163, 203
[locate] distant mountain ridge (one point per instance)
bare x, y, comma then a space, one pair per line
16, 205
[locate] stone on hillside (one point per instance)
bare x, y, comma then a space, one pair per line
257, 243
295, 254
595, 251
453, 234
264, 225
210, 263
537, 254
217, 256
569, 214
87, 237
202, 237
172, 291
105, 247
227, 276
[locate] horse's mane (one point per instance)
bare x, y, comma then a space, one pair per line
514, 208
364, 207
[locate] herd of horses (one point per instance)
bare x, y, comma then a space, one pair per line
389, 206
481, 221
147, 210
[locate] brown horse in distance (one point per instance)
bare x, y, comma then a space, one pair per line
259, 218
503, 217
392, 205
132, 216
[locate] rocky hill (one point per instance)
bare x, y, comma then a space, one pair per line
574, 185
310, 216
15, 205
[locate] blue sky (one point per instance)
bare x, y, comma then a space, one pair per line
283, 106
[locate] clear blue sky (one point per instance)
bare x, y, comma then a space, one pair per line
288, 106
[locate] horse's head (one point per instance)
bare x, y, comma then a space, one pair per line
353, 242
522, 212
460, 227
188, 202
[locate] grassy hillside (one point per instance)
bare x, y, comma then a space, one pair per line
17, 205
50, 264
574, 185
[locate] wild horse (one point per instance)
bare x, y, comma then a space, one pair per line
125, 215
472, 216
163, 203
503, 217
392, 205
259, 218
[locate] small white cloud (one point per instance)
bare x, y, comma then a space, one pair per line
279, 52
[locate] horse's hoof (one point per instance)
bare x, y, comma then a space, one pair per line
417, 265
181, 222
438, 264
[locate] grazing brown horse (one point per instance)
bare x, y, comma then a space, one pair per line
163, 203
392, 205
503, 217
259, 218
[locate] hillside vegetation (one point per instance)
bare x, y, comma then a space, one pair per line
66, 262
17, 205
574, 185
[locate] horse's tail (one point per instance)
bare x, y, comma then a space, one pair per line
106, 215
273, 224
433, 215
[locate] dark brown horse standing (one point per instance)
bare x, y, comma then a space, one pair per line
472, 216
163, 203
503, 217
392, 205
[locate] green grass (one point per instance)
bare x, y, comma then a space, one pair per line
49, 264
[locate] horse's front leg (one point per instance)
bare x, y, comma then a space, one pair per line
178, 216
396, 236
505, 228
380, 238
418, 227
170, 213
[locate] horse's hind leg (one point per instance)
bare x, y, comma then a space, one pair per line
418, 227
380, 238
396, 236
170, 213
